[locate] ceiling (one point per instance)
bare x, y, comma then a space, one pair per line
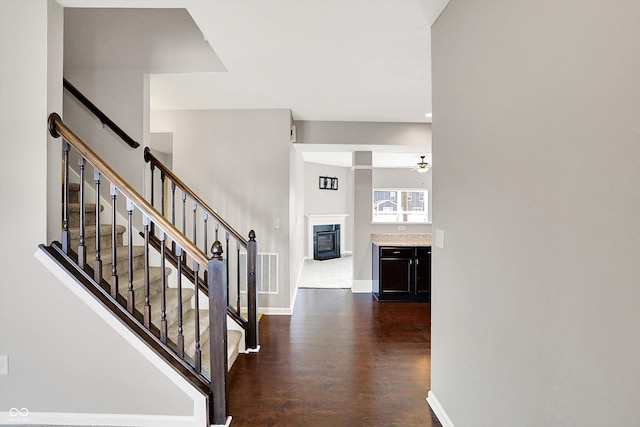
345, 60
325, 60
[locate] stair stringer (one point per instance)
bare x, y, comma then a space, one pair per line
199, 417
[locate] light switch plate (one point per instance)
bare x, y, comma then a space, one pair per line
440, 239
4, 364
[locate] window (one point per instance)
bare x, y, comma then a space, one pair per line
400, 205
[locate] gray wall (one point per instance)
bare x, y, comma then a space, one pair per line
62, 357
363, 133
239, 162
112, 72
535, 317
362, 213
297, 198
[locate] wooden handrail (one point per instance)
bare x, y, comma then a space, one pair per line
99, 114
57, 128
149, 157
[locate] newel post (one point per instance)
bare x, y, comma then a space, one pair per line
252, 293
218, 335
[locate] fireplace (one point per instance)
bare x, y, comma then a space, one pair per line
326, 241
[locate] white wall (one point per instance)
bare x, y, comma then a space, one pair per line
328, 202
238, 161
318, 201
62, 358
535, 317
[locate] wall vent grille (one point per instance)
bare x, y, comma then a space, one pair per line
266, 271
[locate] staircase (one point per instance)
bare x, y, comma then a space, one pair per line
155, 281
180, 304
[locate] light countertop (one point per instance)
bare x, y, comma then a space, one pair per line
402, 239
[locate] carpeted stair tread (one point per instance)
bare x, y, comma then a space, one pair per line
74, 192
233, 338
90, 236
155, 280
90, 230
172, 305
190, 324
233, 341
122, 257
88, 207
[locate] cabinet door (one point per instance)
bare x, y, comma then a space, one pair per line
395, 275
423, 270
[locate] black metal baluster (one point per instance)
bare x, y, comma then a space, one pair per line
147, 306
152, 167
195, 221
184, 219
114, 259
180, 341
130, 293
198, 355
217, 225
66, 234
173, 203
237, 279
163, 302
97, 267
184, 212
227, 264
82, 250
173, 212
162, 179
205, 215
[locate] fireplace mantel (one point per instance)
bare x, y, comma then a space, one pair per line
330, 219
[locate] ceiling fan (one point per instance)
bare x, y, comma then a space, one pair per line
422, 166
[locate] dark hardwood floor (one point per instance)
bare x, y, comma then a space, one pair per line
341, 359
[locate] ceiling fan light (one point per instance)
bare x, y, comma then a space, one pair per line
423, 170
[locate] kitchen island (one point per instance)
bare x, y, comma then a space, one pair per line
401, 266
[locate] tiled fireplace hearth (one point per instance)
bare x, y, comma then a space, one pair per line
325, 220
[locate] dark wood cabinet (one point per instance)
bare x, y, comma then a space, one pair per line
401, 273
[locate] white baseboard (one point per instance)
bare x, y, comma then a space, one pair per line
71, 419
293, 300
276, 311
362, 286
439, 410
